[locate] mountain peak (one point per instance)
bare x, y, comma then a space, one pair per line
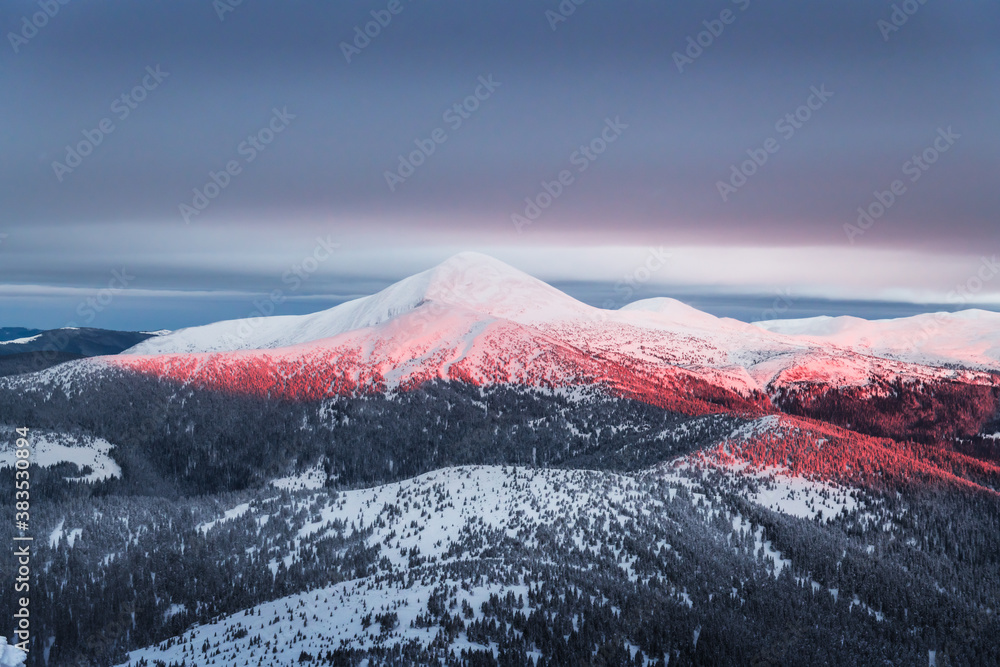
471, 258
468, 280
672, 309
487, 285
473, 270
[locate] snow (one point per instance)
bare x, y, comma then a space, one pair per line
173, 610
500, 498
314, 478
473, 313
678, 312
11, 656
797, 496
21, 341
773, 487
856, 601
334, 614
969, 338
468, 281
234, 513
58, 533
470, 297
427, 514
49, 449
757, 427
682, 470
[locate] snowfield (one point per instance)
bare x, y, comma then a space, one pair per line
21, 341
426, 525
234, 513
49, 449
969, 338
780, 491
316, 621
11, 656
314, 478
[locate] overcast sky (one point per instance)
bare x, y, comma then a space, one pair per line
665, 122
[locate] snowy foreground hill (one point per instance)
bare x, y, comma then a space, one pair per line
472, 468
462, 552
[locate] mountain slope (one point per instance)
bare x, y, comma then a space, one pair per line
12, 333
482, 285
435, 342
499, 565
969, 338
469, 281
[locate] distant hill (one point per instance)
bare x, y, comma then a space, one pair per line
13, 333
80, 342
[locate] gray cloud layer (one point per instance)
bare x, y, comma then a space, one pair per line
325, 171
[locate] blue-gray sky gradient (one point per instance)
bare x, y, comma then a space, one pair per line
324, 175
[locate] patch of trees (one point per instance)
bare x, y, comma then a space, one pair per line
30, 362
927, 412
172, 441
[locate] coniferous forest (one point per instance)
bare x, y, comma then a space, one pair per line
465, 525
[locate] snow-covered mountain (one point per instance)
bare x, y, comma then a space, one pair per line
968, 338
476, 320
489, 288
468, 281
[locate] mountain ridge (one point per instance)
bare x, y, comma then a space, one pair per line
482, 284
